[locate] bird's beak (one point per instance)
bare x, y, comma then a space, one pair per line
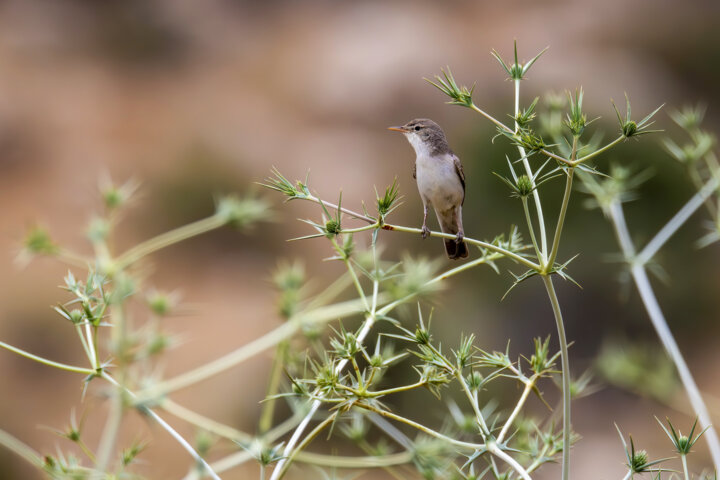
399, 129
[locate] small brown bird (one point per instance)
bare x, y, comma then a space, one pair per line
440, 180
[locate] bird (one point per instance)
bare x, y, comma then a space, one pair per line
440, 181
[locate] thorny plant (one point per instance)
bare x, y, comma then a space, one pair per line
702, 167
342, 381
570, 154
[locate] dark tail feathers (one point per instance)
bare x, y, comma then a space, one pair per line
456, 250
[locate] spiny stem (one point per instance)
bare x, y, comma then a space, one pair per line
169, 238
205, 423
508, 423
364, 331
353, 275
83, 341
45, 361
288, 329
528, 170
422, 428
547, 280
21, 449
657, 318
86, 450
561, 219
333, 206
475, 405
266, 417
510, 461
399, 228
597, 152
239, 355
165, 426
93, 346
529, 222
282, 466
472, 241
110, 431
677, 221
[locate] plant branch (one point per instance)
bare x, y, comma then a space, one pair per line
663, 330
677, 221
285, 463
565, 360
45, 361
166, 426
536, 195
284, 331
169, 238
529, 384
422, 428
561, 218
21, 449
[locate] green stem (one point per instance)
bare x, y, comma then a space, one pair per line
165, 426
353, 275
528, 170
20, 449
389, 391
510, 461
93, 345
597, 152
547, 279
539, 459
284, 331
86, 450
657, 318
694, 175
472, 241
88, 353
685, 466
283, 466
508, 423
399, 228
497, 122
110, 431
73, 259
354, 462
45, 361
484, 431
677, 221
561, 220
205, 423
423, 428
287, 330
169, 238
266, 417
530, 226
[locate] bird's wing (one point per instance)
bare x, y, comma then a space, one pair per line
460, 173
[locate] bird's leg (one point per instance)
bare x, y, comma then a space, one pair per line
425, 230
458, 219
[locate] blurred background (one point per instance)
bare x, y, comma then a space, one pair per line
193, 99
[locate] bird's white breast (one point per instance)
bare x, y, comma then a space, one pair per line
438, 181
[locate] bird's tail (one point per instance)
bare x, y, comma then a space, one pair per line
456, 250
448, 224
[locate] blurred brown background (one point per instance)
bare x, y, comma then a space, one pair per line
199, 98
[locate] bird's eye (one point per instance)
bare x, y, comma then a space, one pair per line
417, 128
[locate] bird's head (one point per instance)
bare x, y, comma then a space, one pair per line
425, 136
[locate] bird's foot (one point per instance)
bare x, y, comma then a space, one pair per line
425, 232
459, 238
